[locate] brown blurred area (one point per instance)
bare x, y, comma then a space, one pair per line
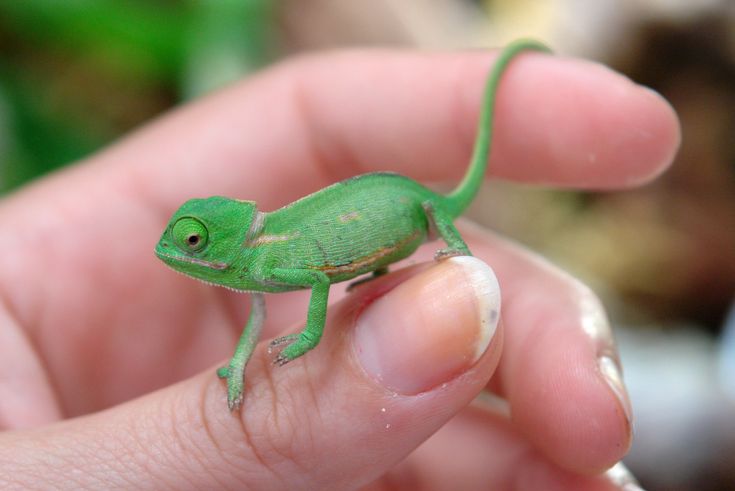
693, 66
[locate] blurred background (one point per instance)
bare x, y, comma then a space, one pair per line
76, 75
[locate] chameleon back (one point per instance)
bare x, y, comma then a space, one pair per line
350, 228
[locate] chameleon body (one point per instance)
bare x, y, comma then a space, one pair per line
357, 226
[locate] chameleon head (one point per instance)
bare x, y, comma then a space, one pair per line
205, 239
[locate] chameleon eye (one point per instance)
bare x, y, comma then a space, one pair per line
190, 234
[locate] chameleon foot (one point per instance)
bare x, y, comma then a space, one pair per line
282, 345
234, 375
292, 346
234, 392
280, 360
442, 254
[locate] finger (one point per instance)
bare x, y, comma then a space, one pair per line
26, 398
478, 451
560, 370
319, 119
391, 369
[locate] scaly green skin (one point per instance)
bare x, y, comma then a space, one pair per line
357, 226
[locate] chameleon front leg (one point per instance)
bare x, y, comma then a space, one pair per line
234, 372
298, 344
444, 226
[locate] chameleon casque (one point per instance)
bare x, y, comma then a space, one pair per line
357, 226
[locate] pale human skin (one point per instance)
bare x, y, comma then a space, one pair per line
90, 319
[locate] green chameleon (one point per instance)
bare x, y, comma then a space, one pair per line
353, 227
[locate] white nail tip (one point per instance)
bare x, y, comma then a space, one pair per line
614, 378
620, 476
487, 293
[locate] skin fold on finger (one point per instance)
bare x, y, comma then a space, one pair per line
26, 398
479, 451
321, 423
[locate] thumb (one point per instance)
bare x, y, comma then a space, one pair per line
399, 357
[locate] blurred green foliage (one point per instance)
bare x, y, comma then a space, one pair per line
76, 74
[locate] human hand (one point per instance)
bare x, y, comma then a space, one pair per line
90, 319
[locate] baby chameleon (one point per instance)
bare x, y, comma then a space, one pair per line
357, 226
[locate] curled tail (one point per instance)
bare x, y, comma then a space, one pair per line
464, 193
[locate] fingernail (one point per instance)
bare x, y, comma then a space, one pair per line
610, 371
597, 327
430, 328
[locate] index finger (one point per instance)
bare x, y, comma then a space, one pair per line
309, 122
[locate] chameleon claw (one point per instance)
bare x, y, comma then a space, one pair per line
296, 345
235, 403
234, 392
283, 340
442, 254
285, 345
280, 360
233, 374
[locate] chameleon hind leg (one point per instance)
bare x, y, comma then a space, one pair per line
294, 345
234, 371
444, 226
378, 272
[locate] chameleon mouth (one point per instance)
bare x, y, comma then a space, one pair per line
210, 283
169, 260
191, 260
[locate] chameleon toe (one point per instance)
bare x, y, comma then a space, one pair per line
235, 403
447, 253
279, 342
